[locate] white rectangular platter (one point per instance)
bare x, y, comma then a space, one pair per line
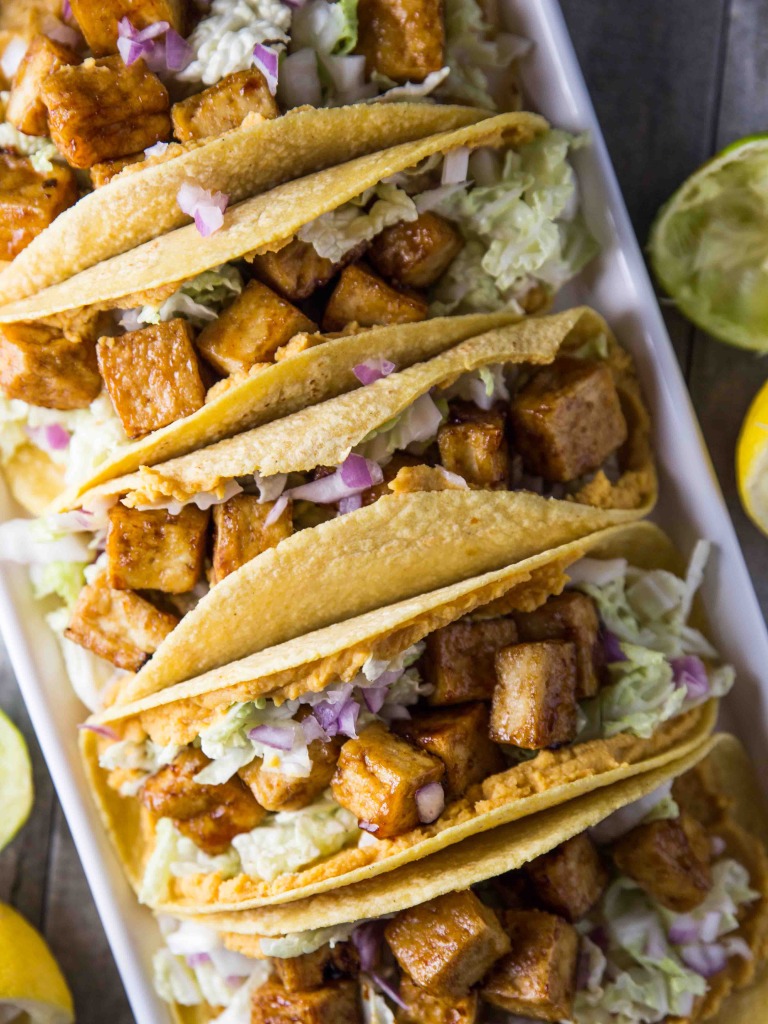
691, 506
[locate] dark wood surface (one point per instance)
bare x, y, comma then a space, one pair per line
673, 82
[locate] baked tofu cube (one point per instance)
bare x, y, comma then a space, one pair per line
98, 20
279, 792
534, 701
295, 271
251, 329
339, 1001
211, 816
100, 110
103, 173
154, 550
423, 1008
670, 859
460, 659
567, 420
240, 532
377, 779
402, 39
570, 616
302, 973
152, 376
459, 737
474, 446
43, 367
30, 201
570, 879
364, 299
537, 978
447, 944
223, 106
118, 625
25, 108
415, 254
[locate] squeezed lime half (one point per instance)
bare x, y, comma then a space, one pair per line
16, 792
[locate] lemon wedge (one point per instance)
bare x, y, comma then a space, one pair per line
32, 988
752, 460
16, 793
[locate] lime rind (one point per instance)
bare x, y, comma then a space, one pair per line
16, 789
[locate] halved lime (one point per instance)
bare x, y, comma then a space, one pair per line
16, 792
709, 245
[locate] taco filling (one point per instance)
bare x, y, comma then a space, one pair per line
656, 913
271, 787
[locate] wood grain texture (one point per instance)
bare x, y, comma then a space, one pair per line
672, 83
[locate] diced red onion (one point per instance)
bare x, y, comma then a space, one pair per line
374, 697
266, 60
683, 932
366, 826
655, 946
690, 672
61, 33
277, 509
133, 43
313, 730
53, 437
430, 802
355, 472
373, 369
717, 844
612, 647
207, 208
347, 718
281, 737
300, 80
350, 504
178, 52
197, 959
455, 166
735, 945
388, 990
355, 475
100, 730
705, 960
367, 939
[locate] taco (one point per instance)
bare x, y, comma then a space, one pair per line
432, 720
641, 904
111, 104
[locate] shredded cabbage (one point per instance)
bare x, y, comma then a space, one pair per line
299, 943
63, 579
375, 1008
200, 300
142, 758
409, 91
335, 233
41, 151
88, 674
484, 387
175, 855
418, 424
327, 28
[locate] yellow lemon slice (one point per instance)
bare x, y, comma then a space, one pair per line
31, 983
752, 460
16, 793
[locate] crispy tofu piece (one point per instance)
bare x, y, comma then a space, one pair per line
670, 859
415, 254
295, 271
447, 944
423, 1008
537, 978
474, 446
30, 201
118, 625
211, 816
534, 701
41, 366
400, 460
402, 39
279, 792
101, 110
459, 737
240, 533
223, 106
570, 879
363, 298
377, 778
459, 660
103, 173
567, 420
25, 108
251, 329
152, 375
154, 550
570, 616
302, 973
98, 20
338, 1001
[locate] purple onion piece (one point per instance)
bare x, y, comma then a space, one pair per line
374, 697
388, 990
430, 802
197, 959
612, 646
281, 737
374, 369
367, 939
350, 504
266, 60
100, 730
355, 472
368, 826
705, 960
347, 718
690, 672
178, 52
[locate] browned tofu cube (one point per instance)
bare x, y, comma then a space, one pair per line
377, 779
459, 737
670, 859
223, 106
30, 201
152, 376
363, 298
154, 550
295, 271
25, 108
534, 702
423, 1008
570, 879
402, 39
240, 532
537, 978
251, 329
279, 792
209, 815
302, 973
103, 173
570, 616
100, 110
98, 18
473, 444
338, 1001
118, 625
414, 254
567, 420
43, 367
447, 944
460, 659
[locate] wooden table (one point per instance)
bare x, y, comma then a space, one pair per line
673, 82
